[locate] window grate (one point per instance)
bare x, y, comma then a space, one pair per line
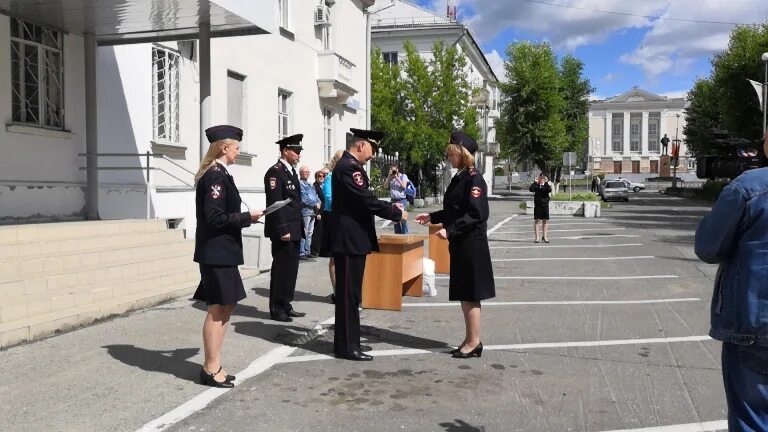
165, 95
37, 75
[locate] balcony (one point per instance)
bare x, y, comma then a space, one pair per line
334, 76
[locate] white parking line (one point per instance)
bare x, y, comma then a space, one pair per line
562, 230
550, 246
588, 236
575, 259
527, 224
718, 425
197, 403
413, 351
569, 302
578, 277
498, 225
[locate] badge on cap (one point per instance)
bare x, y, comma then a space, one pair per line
476, 192
215, 191
358, 178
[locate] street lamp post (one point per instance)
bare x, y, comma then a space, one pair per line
675, 152
765, 89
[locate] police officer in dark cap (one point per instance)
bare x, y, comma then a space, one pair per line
465, 222
284, 228
353, 237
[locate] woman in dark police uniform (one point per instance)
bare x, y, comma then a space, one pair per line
219, 245
465, 221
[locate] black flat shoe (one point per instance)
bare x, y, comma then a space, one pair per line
455, 350
292, 313
365, 348
209, 380
355, 356
477, 352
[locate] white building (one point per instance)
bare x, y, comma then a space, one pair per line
395, 21
625, 132
302, 69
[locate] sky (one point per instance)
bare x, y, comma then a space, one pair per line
661, 46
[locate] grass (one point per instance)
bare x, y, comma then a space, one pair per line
579, 196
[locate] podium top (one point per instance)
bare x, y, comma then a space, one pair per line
401, 238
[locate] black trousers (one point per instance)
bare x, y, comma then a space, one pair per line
317, 236
349, 289
282, 281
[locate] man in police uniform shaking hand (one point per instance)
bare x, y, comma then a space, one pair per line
353, 237
284, 229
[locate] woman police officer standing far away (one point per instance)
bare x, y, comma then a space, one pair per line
219, 245
465, 221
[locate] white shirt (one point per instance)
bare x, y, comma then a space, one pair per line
287, 165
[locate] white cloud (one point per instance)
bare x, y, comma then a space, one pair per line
609, 77
497, 64
595, 96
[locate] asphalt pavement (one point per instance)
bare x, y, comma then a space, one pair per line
603, 329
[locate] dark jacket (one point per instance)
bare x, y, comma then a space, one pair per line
735, 235
319, 191
353, 231
465, 207
280, 184
218, 238
540, 193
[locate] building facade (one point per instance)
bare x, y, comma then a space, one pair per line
625, 133
395, 21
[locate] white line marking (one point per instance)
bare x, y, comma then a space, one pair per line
578, 277
550, 246
197, 403
575, 259
709, 426
498, 225
589, 236
553, 303
563, 230
412, 351
527, 224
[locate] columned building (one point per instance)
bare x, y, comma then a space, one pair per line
625, 132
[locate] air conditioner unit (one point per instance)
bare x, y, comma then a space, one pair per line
322, 15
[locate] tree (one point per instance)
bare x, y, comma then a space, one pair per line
575, 90
531, 127
702, 116
419, 102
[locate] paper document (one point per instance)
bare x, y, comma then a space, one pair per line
277, 205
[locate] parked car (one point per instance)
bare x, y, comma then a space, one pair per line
634, 187
614, 190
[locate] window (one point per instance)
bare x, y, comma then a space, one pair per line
327, 38
327, 134
37, 75
635, 168
165, 95
654, 120
618, 127
390, 58
691, 164
617, 146
634, 146
284, 13
283, 113
634, 129
236, 99
654, 167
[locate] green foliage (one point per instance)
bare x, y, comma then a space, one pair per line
522, 205
419, 103
581, 196
545, 109
726, 100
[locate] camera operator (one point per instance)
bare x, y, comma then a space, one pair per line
397, 183
541, 190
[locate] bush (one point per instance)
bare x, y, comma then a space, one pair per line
712, 188
581, 196
522, 205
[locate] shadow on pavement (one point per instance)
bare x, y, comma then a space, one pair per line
243, 310
461, 426
173, 362
299, 296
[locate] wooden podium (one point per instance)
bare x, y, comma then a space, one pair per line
438, 250
396, 270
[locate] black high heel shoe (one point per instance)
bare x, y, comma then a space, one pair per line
477, 352
209, 380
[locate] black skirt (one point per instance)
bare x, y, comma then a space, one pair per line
471, 271
325, 242
541, 212
220, 285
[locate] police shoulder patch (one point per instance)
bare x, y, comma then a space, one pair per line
357, 176
476, 192
215, 191
272, 182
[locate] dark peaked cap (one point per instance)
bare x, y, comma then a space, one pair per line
370, 135
464, 140
292, 142
217, 133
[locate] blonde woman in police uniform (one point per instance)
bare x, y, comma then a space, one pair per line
465, 221
219, 245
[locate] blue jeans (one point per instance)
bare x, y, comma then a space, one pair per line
745, 374
402, 226
306, 242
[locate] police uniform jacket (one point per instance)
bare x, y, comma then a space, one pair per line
218, 239
280, 183
465, 219
353, 206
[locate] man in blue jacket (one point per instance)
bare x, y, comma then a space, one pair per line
310, 204
735, 235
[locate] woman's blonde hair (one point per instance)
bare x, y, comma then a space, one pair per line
335, 159
467, 160
214, 152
